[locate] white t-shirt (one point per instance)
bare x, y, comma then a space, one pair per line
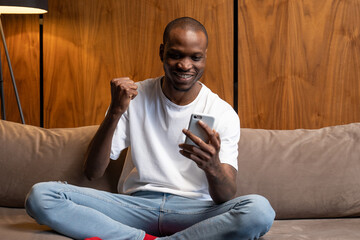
153, 125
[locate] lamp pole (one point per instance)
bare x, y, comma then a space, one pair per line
17, 7
3, 112
12, 78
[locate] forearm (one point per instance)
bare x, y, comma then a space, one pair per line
98, 154
123, 90
222, 183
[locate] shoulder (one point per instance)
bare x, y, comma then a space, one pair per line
147, 94
224, 113
217, 104
148, 84
147, 90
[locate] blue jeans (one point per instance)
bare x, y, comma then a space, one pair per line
80, 213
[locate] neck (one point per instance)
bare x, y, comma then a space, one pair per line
180, 97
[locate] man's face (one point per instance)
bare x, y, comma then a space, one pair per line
184, 58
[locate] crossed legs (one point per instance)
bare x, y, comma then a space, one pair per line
82, 212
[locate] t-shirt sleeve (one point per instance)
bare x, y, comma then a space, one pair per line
121, 137
229, 130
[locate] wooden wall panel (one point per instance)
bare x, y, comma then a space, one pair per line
299, 63
22, 38
89, 42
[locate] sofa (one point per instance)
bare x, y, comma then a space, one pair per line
311, 177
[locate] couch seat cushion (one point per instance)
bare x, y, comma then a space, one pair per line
15, 224
315, 229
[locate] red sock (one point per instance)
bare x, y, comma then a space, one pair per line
149, 237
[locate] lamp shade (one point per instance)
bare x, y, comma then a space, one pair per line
23, 6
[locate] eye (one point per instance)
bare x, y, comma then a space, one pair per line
196, 58
174, 56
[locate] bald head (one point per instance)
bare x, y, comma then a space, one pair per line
184, 23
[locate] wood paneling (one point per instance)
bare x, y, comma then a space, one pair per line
89, 42
22, 38
299, 63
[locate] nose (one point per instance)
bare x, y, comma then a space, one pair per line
184, 64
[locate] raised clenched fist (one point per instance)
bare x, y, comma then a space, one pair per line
123, 90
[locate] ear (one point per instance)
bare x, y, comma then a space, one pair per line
161, 52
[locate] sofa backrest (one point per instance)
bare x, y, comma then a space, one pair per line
303, 173
31, 154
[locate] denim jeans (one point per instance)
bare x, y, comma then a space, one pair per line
80, 213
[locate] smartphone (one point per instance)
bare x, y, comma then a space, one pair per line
196, 129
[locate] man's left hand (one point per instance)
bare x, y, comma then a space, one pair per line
205, 155
221, 176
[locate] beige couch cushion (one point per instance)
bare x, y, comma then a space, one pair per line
304, 173
31, 154
15, 224
315, 229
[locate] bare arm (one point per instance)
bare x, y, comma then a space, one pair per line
97, 158
221, 176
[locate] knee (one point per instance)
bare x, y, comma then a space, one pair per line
258, 211
262, 208
34, 201
39, 199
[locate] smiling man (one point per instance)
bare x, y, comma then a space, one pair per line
175, 190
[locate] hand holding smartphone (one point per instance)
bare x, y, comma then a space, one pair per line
197, 130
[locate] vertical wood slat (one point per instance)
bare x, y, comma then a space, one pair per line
299, 63
89, 42
22, 38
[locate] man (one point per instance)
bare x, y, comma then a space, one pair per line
175, 190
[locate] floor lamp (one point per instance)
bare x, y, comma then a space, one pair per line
16, 7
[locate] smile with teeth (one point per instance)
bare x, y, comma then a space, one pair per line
182, 75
